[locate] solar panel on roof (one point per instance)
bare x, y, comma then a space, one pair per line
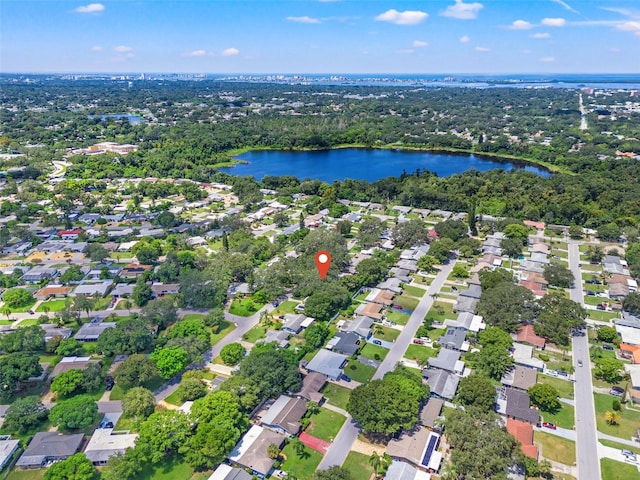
431, 445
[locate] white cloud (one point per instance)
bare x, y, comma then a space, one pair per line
548, 59
630, 27
97, 48
565, 5
408, 17
305, 19
91, 8
541, 35
554, 22
464, 39
195, 53
419, 44
406, 51
122, 49
520, 25
463, 11
230, 52
482, 49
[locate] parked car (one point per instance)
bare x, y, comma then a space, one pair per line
579, 363
377, 342
562, 373
616, 391
628, 453
398, 307
607, 347
32, 312
345, 378
590, 292
601, 306
417, 341
549, 425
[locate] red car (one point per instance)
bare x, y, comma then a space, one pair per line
549, 425
398, 307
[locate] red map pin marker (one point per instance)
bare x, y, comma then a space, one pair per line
323, 262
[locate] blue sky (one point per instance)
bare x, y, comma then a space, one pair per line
320, 36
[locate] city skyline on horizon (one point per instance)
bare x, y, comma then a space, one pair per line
321, 37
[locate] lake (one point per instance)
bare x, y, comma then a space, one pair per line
363, 164
133, 119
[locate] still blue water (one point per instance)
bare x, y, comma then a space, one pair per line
362, 164
133, 119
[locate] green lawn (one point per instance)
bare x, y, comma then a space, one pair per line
26, 308
374, 352
358, 371
174, 398
592, 300
413, 291
619, 446
286, 307
336, 395
420, 353
602, 315
629, 422
325, 424
612, 470
35, 474
564, 387
564, 417
244, 307
52, 305
397, 317
172, 469
555, 448
256, 333
388, 334
408, 303
300, 467
193, 316
28, 322
225, 329
440, 311
358, 464
118, 392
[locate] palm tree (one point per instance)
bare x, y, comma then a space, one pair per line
46, 308
299, 448
375, 461
273, 451
128, 305
612, 418
377, 329
6, 310
544, 469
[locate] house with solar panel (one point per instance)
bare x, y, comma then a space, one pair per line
419, 448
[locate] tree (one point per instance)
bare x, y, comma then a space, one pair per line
459, 271
17, 297
453, 229
203, 289
170, 360
511, 247
609, 232
273, 451
517, 232
631, 303
24, 339
558, 317
123, 466
333, 473
493, 360
612, 417
477, 391
315, 335
507, 306
558, 275
83, 302
492, 278
146, 254
244, 390
135, 371
616, 405
129, 336
92, 377
191, 389
274, 371
545, 397
281, 219
76, 413
344, 227
232, 353
15, 368
138, 403
67, 382
607, 334
595, 253
369, 231
441, 249
608, 369
69, 347
163, 434
161, 312
24, 414
372, 271
141, 293
96, 252
375, 461
427, 262
469, 432
575, 232
72, 274
409, 234
495, 336
76, 467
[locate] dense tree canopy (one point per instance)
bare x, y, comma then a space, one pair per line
77, 412
273, 371
25, 413
76, 467
506, 306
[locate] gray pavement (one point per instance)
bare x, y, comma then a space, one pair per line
341, 446
586, 433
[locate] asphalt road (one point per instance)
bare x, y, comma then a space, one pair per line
341, 446
586, 432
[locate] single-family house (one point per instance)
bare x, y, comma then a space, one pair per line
328, 363
361, 326
227, 472
372, 310
93, 288
520, 377
72, 363
162, 289
347, 343
52, 291
7, 448
280, 337
403, 471
514, 404
454, 338
70, 234
430, 413
441, 383
468, 321
123, 290
523, 433
417, 447
474, 291
383, 297
312, 384
448, 360
51, 330
634, 375
523, 355
38, 274
89, 332
296, 322
391, 284
251, 450
526, 334
465, 304
48, 447
105, 443
284, 415
134, 270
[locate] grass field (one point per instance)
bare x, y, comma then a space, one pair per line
612, 470
408, 303
193, 316
256, 333
629, 422
601, 315
564, 387
388, 334
374, 352
285, 307
419, 353
565, 417
555, 448
440, 311
26, 308
169, 470
300, 467
397, 317
35, 474
325, 424
244, 307
336, 395
28, 322
413, 291
358, 371
52, 305
225, 329
358, 464
174, 398
619, 446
